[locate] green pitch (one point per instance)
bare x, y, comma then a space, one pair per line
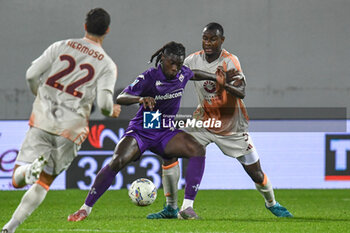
220, 211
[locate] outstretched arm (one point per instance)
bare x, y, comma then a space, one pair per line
232, 80
202, 75
127, 99
234, 83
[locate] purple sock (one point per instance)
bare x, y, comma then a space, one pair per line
102, 182
194, 174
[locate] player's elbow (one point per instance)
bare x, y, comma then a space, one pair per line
125, 99
241, 95
241, 91
30, 74
32, 83
120, 99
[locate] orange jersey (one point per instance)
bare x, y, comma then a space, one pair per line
214, 101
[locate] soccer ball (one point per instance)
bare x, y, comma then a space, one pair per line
142, 192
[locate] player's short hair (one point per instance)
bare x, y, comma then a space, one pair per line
215, 26
169, 48
97, 21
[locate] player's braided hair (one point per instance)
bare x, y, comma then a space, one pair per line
169, 48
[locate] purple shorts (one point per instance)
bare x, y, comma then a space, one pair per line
153, 140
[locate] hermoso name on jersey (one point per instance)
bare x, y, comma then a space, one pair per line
86, 50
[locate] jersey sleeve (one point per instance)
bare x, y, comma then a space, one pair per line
187, 72
233, 63
105, 102
140, 86
108, 79
40, 66
48, 56
188, 60
105, 89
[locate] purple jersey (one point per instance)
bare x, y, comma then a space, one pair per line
167, 93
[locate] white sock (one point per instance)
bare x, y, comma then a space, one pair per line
11, 225
170, 179
30, 201
87, 208
266, 191
187, 203
19, 175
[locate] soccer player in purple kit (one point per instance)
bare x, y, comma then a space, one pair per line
158, 90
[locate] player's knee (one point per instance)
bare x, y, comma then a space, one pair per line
115, 164
201, 150
15, 183
17, 186
167, 162
118, 162
196, 150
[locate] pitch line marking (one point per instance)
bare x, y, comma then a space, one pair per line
71, 230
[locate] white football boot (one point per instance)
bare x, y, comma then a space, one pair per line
34, 170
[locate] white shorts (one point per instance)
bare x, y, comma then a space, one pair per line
57, 150
238, 145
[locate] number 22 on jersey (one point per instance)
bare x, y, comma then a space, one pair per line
71, 88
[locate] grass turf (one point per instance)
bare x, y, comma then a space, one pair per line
220, 211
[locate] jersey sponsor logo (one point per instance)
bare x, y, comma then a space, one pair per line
209, 86
168, 96
337, 157
151, 119
158, 83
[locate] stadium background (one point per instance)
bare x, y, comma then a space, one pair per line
294, 54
